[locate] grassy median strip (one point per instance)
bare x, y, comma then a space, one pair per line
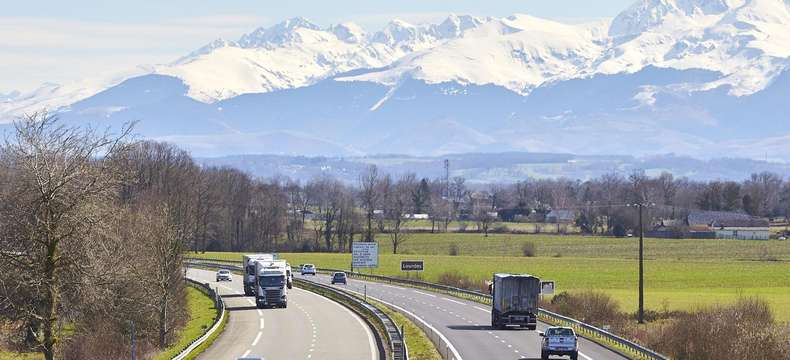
359, 310
201, 318
419, 345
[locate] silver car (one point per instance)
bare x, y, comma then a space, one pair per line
560, 341
224, 275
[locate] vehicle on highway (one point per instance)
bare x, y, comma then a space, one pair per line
308, 269
224, 275
515, 301
289, 276
271, 288
339, 278
248, 262
561, 341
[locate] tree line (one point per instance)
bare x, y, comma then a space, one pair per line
94, 226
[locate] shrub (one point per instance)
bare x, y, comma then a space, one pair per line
462, 226
592, 307
744, 330
456, 279
529, 249
453, 251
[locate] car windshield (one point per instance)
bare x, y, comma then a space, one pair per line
272, 280
340, 276
560, 332
224, 272
308, 266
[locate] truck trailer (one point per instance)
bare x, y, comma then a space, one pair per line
515, 301
248, 261
271, 280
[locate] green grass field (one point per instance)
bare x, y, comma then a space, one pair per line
590, 247
201, 317
679, 274
511, 226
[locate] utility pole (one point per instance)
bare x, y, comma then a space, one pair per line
641, 311
641, 267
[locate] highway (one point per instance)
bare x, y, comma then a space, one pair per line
312, 327
466, 324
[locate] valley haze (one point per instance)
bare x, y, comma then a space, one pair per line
699, 78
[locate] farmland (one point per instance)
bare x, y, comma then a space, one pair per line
679, 274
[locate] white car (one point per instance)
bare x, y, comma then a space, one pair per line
783, 238
224, 275
560, 341
308, 269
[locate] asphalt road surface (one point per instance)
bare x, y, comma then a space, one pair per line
466, 324
312, 327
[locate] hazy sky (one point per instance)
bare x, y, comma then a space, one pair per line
61, 41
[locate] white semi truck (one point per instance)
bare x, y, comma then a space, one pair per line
271, 280
515, 301
249, 270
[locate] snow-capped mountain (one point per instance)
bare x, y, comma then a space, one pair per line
698, 77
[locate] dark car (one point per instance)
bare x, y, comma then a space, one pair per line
339, 278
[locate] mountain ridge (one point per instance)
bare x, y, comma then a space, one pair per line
698, 77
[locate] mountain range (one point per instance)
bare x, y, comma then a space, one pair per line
705, 78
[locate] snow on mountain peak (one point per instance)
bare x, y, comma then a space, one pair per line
349, 32
454, 26
646, 15
280, 34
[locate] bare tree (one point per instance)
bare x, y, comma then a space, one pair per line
396, 207
54, 215
368, 194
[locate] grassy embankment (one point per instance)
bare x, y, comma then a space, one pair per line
679, 274
201, 317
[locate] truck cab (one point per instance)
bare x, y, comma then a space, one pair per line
248, 261
514, 301
271, 280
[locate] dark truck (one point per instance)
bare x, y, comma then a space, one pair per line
515, 301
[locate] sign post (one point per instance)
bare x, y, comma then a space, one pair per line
365, 255
412, 265
547, 287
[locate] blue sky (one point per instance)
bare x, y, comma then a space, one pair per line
63, 41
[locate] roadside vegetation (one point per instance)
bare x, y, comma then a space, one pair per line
92, 236
419, 345
201, 314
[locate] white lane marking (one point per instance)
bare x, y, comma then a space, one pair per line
246, 353
250, 301
258, 337
371, 341
260, 313
426, 294
398, 308
481, 309
453, 301
585, 356
262, 323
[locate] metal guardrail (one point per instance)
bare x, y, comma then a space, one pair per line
395, 337
218, 304
588, 331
